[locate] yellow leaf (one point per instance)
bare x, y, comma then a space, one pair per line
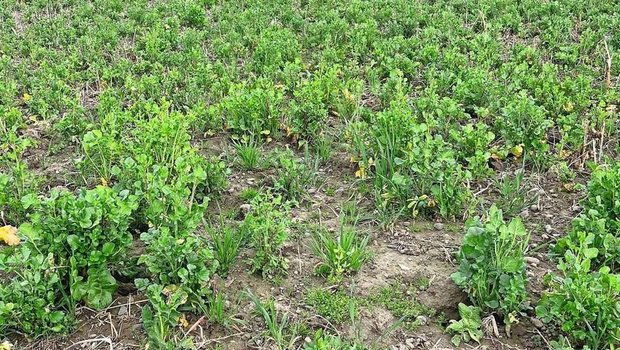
170, 289
104, 182
27, 97
432, 203
8, 234
6, 346
266, 132
361, 173
564, 154
569, 107
569, 186
348, 95
183, 321
517, 150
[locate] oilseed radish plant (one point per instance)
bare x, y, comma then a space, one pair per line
181, 152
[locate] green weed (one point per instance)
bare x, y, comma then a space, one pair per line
341, 255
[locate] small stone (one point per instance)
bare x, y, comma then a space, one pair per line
544, 236
312, 191
404, 267
534, 207
532, 260
122, 310
438, 226
393, 347
410, 343
422, 320
245, 208
548, 228
536, 322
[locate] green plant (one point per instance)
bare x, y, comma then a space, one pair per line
492, 266
162, 316
277, 324
325, 341
253, 110
513, 195
292, 176
585, 304
601, 218
248, 153
88, 233
16, 181
217, 310
339, 256
308, 109
468, 327
396, 298
36, 301
333, 305
69, 246
266, 226
226, 244
184, 260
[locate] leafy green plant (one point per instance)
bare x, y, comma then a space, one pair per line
601, 218
253, 110
585, 304
325, 341
88, 233
425, 178
36, 301
70, 244
16, 181
474, 142
183, 260
162, 316
339, 256
266, 226
312, 98
468, 327
492, 266
525, 122
292, 176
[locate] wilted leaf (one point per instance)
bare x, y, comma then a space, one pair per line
8, 234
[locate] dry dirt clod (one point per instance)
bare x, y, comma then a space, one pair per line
536, 322
532, 260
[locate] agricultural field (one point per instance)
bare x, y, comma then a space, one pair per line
318, 175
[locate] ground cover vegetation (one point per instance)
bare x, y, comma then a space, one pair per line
278, 174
